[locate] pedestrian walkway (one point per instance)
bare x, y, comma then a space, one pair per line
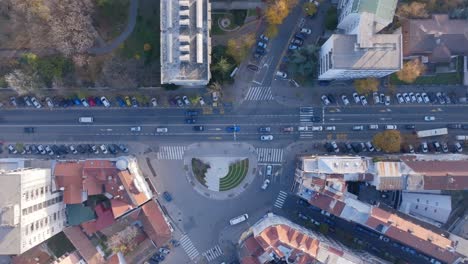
213, 253
189, 248
171, 152
305, 119
280, 199
270, 155
259, 93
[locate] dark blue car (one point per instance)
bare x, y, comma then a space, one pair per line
76, 101
120, 101
167, 196
191, 112
233, 128
98, 101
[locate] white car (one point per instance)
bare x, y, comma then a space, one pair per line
214, 96
105, 102
384, 238
363, 100
357, 100
419, 98
387, 100
186, 100
266, 137
424, 147
425, 98
429, 118
202, 102
344, 99
269, 170
374, 127
335, 147
413, 97
49, 102
376, 98
281, 74
104, 149
161, 130
239, 219
406, 97
84, 102
265, 184
391, 127
317, 128
306, 31
135, 129
12, 149
41, 149
325, 213
400, 98
325, 100
154, 102
330, 128
35, 102
458, 147
73, 149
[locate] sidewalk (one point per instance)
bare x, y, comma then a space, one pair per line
226, 5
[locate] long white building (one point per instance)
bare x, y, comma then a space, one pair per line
31, 210
359, 51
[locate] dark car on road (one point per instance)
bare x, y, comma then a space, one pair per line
198, 128
191, 112
233, 128
29, 130
454, 126
264, 129
190, 121
252, 67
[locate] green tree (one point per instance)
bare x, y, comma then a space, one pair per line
309, 8
303, 63
389, 141
366, 86
331, 18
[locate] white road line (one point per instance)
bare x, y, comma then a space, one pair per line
259, 93
171, 152
270, 155
189, 248
280, 199
213, 253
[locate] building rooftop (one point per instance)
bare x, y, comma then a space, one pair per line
84, 246
382, 9
155, 223
185, 42
426, 206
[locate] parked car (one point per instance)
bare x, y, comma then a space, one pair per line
201, 101
154, 103
84, 102
425, 98
335, 147
266, 137
120, 101
373, 127
265, 184
458, 147
13, 102
399, 98
49, 102
105, 102
91, 101
391, 127
369, 146
357, 100
325, 100
344, 99
375, 95
424, 147
167, 196
281, 74
186, 100
264, 38
293, 47
128, 102
297, 42
269, 170
363, 100
27, 101
35, 102
262, 45
358, 127
134, 101
305, 31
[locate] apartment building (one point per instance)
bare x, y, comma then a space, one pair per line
358, 50
32, 209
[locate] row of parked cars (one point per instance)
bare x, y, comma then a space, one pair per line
401, 98
61, 150
357, 147
298, 39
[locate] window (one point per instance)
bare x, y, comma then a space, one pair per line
32, 194
29, 209
60, 198
55, 216
44, 204
417, 200
26, 194
25, 211
32, 227
35, 208
46, 220
37, 192
26, 231
37, 224
47, 189
39, 206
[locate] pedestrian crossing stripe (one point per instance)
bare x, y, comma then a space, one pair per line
189, 248
280, 199
270, 155
259, 93
171, 152
213, 253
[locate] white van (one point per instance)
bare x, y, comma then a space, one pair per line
86, 119
239, 219
161, 130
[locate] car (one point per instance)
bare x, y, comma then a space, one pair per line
179, 101
458, 147
440, 98
424, 147
437, 146
135, 129
269, 170
76, 101
325, 99
384, 238
233, 128
425, 98
315, 119
167, 196
387, 100
154, 102
344, 99
264, 129
376, 97
304, 217
215, 96
399, 98
94, 149
127, 101
297, 42
369, 146
382, 98
190, 120
186, 100
112, 149
164, 251
363, 100
201, 101
335, 147
84, 102
191, 112
358, 127
35, 102
123, 148
373, 127
49, 150
120, 101
41, 150
429, 118
330, 128
281, 74
317, 128
264, 38
253, 67
98, 101
12, 150
445, 147
259, 51
13, 102
325, 213
49, 102
454, 126
91, 101
410, 149
105, 102
103, 149
238, 219
161, 130
391, 127
73, 149
406, 97
412, 97
300, 36
265, 184
419, 98
307, 31
27, 101
447, 98
266, 137
29, 130
293, 47
288, 129
261, 45
357, 100
410, 126
198, 128
134, 101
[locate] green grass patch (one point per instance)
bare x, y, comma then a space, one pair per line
146, 32
237, 18
236, 174
111, 17
59, 244
199, 169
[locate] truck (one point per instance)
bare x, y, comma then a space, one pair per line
461, 137
86, 119
432, 132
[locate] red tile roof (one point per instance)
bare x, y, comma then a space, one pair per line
155, 224
120, 207
128, 181
105, 218
252, 247
99, 169
68, 176
83, 245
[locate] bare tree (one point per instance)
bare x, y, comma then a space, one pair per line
23, 82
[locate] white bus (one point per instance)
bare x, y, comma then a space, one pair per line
432, 132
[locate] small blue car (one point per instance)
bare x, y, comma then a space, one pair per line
233, 128
167, 196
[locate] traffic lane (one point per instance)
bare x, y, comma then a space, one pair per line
404, 109
395, 118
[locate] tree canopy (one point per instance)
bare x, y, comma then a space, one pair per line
388, 141
411, 71
366, 86
309, 8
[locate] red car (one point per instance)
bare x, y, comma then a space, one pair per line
91, 101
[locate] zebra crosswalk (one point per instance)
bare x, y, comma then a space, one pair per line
171, 152
213, 253
270, 155
280, 199
305, 119
259, 93
189, 248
